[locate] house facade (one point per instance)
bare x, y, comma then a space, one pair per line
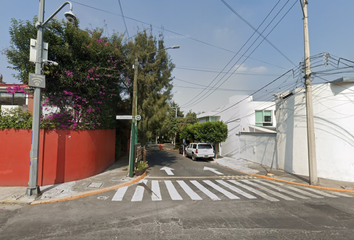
251, 127
17, 99
333, 109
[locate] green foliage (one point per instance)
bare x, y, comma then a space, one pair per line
154, 81
188, 132
213, 132
15, 118
142, 165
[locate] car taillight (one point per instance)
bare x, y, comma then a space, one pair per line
213, 150
196, 151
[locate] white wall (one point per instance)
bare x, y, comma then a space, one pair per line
238, 118
334, 132
258, 148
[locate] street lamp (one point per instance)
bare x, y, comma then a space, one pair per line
133, 136
33, 188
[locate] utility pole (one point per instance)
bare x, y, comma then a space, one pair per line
309, 105
134, 113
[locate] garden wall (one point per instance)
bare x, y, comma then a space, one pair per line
64, 155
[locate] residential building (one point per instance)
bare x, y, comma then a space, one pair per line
333, 109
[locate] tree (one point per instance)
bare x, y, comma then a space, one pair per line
212, 132
154, 81
87, 82
173, 122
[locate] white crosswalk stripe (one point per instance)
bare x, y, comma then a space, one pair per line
210, 189
139, 192
223, 191
189, 191
120, 194
281, 190
172, 191
156, 193
235, 189
204, 190
254, 191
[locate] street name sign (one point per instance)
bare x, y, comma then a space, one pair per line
124, 117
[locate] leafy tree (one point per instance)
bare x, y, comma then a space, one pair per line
154, 81
212, 132
173, 121
85, 85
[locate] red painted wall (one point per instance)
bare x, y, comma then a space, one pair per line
64, 155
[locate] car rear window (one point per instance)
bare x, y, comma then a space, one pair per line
204, 146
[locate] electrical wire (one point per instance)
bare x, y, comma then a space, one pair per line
170, 31
256, 30
190, 102
125, 24
205, 96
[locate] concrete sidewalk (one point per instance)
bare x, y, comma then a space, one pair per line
260, 171
117, 176
113, 178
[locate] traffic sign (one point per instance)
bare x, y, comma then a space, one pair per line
36, 80
138, 117
124, 117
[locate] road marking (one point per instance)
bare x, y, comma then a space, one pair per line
120, 194
172, 191
156, 193
223, 191
235, 189
340, 194
265, 196
189, 191
320, 192
281, 190
139, 192
303, 192
204, 190
212, 170
268, 190
168, 170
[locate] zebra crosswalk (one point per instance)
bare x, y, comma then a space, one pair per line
216, 190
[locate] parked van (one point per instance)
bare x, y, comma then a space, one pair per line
200, 150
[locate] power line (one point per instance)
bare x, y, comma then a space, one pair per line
121, 10
205, 96
217, 71
189, 104
256, 30
170, 31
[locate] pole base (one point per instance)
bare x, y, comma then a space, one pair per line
33, 191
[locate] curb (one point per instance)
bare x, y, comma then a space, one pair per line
294, 183
89, 193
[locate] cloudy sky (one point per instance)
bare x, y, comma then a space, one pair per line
227, 47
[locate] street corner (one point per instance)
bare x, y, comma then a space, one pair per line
59, 194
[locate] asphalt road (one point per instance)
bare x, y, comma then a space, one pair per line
287, 213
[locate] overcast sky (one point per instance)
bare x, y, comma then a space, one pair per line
213, 36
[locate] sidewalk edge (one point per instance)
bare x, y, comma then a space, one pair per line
89, 193
294, 183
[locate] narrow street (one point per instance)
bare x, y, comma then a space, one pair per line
185, 199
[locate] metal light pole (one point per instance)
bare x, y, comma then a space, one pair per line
134, 132
33, 188
309, 105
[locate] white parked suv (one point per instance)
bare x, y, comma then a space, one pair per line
200, 150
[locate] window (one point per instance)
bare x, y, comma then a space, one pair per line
204, 146
264, 118
12, 99
213, 119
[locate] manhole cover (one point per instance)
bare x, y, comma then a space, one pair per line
95, 185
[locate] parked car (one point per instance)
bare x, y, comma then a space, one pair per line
182, 147
200, 150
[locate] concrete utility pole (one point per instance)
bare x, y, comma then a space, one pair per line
309, 105
133, 137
